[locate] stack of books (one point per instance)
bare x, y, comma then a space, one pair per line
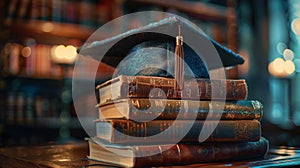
144, 121
134, 117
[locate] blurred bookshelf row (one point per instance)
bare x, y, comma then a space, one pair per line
38, 48
90, 13
34, 60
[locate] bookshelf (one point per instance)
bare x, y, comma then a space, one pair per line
31, 89
32, 85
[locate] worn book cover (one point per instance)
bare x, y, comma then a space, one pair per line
179, 154
156, 131
170, 109
161, 87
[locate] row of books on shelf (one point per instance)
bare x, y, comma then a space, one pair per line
27, 108
138, 128
43, 61
85, 12
32, 60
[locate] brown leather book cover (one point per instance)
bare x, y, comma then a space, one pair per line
156, 131
179, 154
169, 109
198, 89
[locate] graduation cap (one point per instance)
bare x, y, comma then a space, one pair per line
149, 50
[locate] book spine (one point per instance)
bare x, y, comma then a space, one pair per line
14, 59
11, 11
23, 9
126, 131
197, 89
193, 154
34, 13
56, 10
164, 109
43, 10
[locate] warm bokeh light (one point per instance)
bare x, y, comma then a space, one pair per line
47, 27
289, 67
281, 68
278, 65
63, 54
26, 51
60, 51
270, 68
288, 54
70, 52
296, 26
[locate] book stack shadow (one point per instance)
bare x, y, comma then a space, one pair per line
142, 123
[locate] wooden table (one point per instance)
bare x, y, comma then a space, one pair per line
74, 155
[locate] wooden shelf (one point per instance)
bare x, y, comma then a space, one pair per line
49, 32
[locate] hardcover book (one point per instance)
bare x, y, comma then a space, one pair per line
179, 154
143, 87
170, 109
127, 131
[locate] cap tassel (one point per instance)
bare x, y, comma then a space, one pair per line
179, 66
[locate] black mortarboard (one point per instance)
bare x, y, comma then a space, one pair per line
139, 43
